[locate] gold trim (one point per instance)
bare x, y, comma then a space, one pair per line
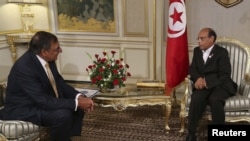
121, 101
14, 39
150, 84
11, 31
228, 3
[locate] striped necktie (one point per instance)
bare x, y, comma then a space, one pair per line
51, 79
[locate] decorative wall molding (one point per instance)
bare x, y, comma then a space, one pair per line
135, 21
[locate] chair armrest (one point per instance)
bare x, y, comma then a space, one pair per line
13, 129
190, 85
187, 94
247, 78
2, 137
244, 88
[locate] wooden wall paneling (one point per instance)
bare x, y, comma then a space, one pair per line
139, 61
135, 17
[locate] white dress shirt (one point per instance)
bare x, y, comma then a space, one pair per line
206, 53
43, 62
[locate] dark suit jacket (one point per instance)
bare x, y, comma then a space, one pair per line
216, 70
29, 90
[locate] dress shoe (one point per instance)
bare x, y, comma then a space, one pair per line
190, 137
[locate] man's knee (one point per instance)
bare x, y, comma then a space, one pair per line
64, 115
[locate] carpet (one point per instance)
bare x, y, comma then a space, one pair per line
145, 123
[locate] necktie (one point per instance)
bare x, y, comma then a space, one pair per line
51, 79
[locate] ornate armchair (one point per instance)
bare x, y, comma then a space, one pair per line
237, 108
14, 130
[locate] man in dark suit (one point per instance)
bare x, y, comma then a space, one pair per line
31, 97
210, 71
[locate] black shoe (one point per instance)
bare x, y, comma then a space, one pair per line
190, 137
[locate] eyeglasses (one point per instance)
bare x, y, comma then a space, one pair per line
201, 38
58, 49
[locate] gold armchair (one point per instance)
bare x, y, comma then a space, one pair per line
237, 108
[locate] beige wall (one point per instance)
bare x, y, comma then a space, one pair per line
140, 32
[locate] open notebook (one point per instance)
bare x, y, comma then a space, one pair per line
88, 92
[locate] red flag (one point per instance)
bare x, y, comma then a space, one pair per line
177, 60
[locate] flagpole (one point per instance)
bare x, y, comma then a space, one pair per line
154, 38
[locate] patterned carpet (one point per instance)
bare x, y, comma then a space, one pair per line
144, 123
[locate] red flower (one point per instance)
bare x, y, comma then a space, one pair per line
128, 74
115, 71
96, 56
113, 52
107, 71
117, 61
115, 82
99, 77
127, 66
101, 70
104, 53
123, 78
94, 80
90, 67
103, 60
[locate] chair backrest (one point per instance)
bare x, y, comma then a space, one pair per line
239, 56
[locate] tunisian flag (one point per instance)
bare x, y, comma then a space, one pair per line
177, 60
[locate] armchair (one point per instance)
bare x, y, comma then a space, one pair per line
14, 130
237, 108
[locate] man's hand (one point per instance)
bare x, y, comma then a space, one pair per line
85, 104
200, 83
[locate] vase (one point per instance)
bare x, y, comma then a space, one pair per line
104, 90
109, 90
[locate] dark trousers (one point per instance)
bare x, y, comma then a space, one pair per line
63, 123
215, 98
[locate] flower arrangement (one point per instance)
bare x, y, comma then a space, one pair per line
108, 72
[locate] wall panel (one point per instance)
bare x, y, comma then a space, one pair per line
135, 17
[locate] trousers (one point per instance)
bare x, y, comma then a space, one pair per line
63, 123
215, 98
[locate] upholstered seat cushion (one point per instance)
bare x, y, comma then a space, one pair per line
16, 129
237, 103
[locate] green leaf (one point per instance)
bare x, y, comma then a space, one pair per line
89, 55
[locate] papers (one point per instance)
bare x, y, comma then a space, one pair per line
88, 92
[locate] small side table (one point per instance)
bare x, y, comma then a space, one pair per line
17, 38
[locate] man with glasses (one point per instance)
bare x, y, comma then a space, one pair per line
36, 92
210, 72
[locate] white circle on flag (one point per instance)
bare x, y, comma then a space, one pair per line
177, 28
